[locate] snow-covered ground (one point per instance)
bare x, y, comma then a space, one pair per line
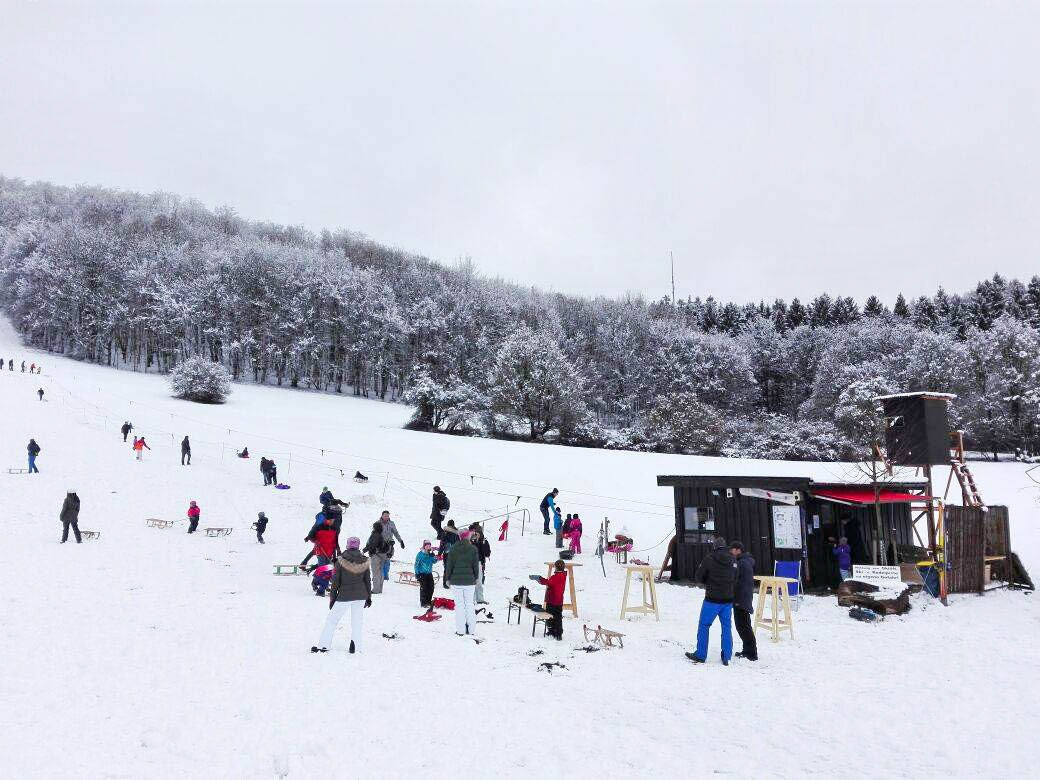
154, 653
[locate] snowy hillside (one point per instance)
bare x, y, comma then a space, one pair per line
149, 652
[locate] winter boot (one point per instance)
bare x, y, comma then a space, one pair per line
693, 657
351, 646
725, 661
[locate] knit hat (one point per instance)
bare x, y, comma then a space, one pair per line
427, 543
465, 534
353, 543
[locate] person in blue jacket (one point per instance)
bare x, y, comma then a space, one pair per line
548, 505
558, 527
424, 560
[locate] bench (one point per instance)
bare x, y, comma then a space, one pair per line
603, 636
90, 534
218, 531
288, 569
540, 616
154, 522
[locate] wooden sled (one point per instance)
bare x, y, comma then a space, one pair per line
90, 534
218, 531
604, 636
18, 471
409, 578
288, 569
154, 522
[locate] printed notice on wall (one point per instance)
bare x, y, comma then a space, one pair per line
787, 527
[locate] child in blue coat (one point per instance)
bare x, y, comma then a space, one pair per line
424, 560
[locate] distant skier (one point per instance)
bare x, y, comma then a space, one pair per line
34, 450
127, 427
140, 445
1, 364
193, 517
441, 505
546, 508
261, 526
70, 517
40, 393
185, 450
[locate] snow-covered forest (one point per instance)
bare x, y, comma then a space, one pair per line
146, 281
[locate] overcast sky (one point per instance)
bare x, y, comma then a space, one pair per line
777, 149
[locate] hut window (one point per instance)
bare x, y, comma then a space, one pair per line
698, 518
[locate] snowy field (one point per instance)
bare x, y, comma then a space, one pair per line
153, 653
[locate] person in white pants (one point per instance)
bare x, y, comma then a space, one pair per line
351, 589
462, 570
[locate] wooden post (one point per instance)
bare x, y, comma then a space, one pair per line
931, 511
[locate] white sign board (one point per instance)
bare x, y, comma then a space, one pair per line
787, 527
876, 575
770, 495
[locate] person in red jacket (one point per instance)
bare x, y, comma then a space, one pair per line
193, 517
325, 542
554, 587
140, 445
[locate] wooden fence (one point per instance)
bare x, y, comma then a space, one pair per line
974, 538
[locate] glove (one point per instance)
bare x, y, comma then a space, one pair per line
534, 577
368, 602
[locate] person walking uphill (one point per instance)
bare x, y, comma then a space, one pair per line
462, 568
125, 429
33, 449
140, 445
40, 393
185, 450
718, 573
261, 526
743, 601
441, 505
379, 549
193, 517
70, 517
546, 507
351, 589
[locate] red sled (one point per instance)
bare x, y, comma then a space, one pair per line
427, 617
442, 603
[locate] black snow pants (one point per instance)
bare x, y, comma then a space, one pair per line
425, 589
747, 633
65, 530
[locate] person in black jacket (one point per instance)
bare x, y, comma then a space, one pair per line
70, 516
743, 601
718, 574
441, 505
125, 429
261, 526
185, 450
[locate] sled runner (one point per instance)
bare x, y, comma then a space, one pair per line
90, 534
154, 522
218, 531
603, 636
359, 477
286, 569
18, 471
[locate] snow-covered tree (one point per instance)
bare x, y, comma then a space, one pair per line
201, 380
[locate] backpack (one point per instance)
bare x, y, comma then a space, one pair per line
521, 596
447, 504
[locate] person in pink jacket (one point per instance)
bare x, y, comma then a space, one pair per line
575, 534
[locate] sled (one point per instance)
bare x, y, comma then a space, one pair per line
288, 569
359, 477
427, 617
90, 534
443, 603
18, 471
281, 486
154, 522
603, 636
217, 531
408, 578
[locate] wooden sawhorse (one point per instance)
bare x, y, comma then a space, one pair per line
774, 589
649, 605
573, 605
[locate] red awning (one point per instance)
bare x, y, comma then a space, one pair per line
865, 495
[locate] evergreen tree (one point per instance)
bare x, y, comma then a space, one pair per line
874, 307
796, 314
820, 311
900, 309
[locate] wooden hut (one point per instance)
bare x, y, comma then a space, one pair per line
787, 519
